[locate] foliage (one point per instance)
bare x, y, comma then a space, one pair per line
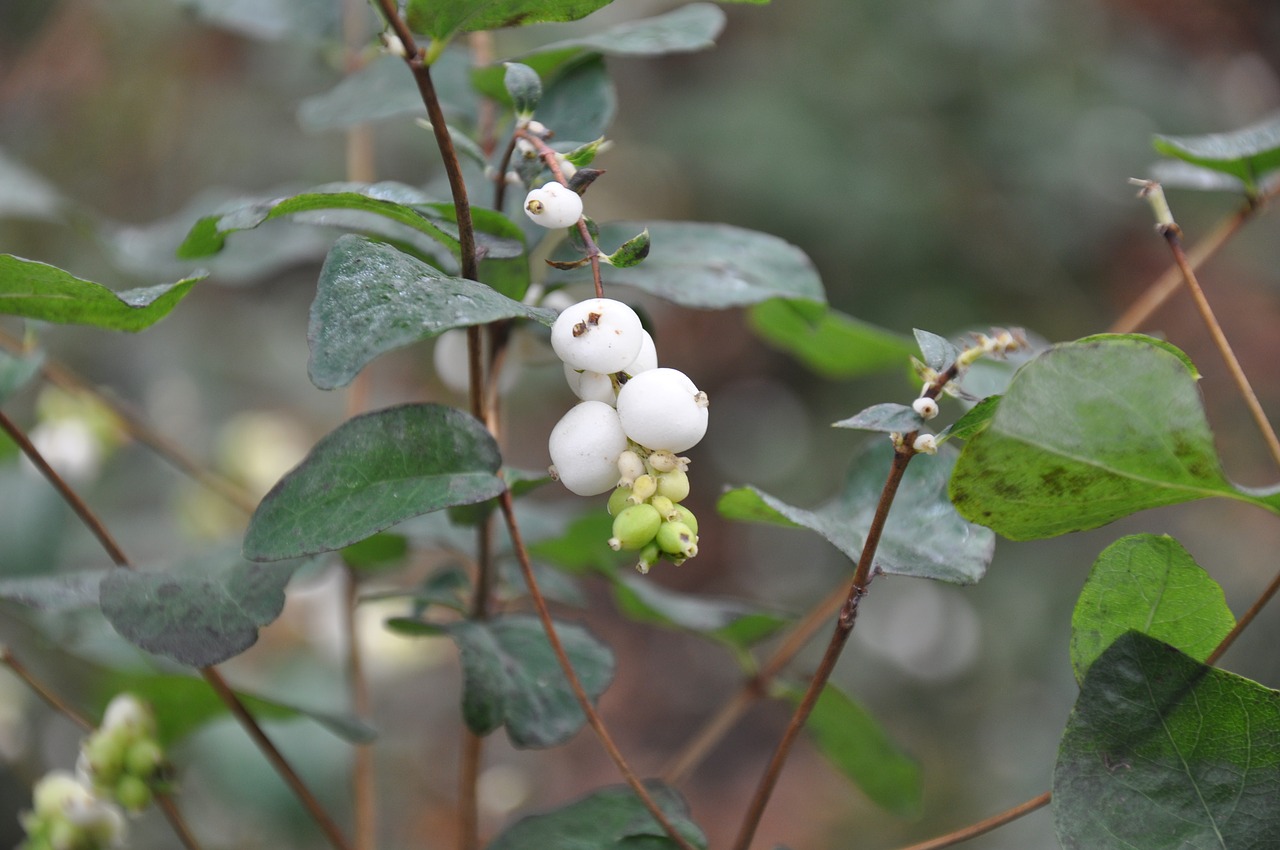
421, 503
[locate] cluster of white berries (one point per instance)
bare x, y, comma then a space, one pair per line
626, 433
121, 765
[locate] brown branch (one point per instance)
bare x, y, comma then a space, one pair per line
363, 788
73, 500
580, 693
844, 627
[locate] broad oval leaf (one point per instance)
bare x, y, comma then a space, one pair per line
1248, 154
373, 298
62, 592
887, 418
736, 623
198, 617
609, 819
372, 472
858, 746
442, 19
1163, 752
511, 678
712, 266
579, 101
1089, 432
829, 342
36, 290
1152, 585
923, 537
272, 20
687, 29
385, 88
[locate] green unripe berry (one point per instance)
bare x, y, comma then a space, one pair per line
132, 793
65, 835
674, 485
686, 516
618, 500
143, 759
676, 538
643, 487
649, 556
665, 506
635, 527
104, 751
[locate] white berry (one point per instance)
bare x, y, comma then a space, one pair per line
598, 335
553, 205
585, 446
596, 386
663, 409
451, 361
925, 407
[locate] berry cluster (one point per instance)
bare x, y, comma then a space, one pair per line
626, 433
121, 764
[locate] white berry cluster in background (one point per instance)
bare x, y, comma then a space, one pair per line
121, 766
627, 432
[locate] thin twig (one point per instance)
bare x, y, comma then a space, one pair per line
138, 429
1245, 620
1173, 237
984, 826
584, 701
468, 790
844, 627
42, 690
71, 497
277, 759
363, 787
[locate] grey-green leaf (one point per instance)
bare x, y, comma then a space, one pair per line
201, 617
712, 266
938, 352
1152, 585
730, 621
1162, 752
524, 86
886, 418
39, 291
923, 537
384, 89
1248, 154
858, 746
827, 341
609, 819
511, 678
687, 29
443, 19
372, 472
61, 592
373, 298
1089, 432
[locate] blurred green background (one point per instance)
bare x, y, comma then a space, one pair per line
949, 165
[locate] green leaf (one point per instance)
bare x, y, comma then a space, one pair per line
579, 102
372, 472
583, 547
1248, 154
630, 253
831, 343
1151, 585
1164, 752
35, 290
523, 86
923, 536
63, 592
887, 418
511, 678
609, 819
850, 737
381, 208
684, 30
199, 615
382, 551
712, 266
937, 351
385, 88
271, 20
16, 371
730, 621
373, 298
442, 19
1089, 432
975, 420
183, 704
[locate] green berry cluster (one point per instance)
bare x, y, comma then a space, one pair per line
121, 766
646, 510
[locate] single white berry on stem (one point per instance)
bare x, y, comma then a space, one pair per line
926, 407
598, 335
663, 409
585, 445
553, 205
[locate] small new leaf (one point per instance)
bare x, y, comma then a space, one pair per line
888, 418
631, 253
1248, 154
938, 352
583, 178
584, 155
524, 86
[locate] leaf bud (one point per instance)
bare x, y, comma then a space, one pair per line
642, 488
925, 407
926, 444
